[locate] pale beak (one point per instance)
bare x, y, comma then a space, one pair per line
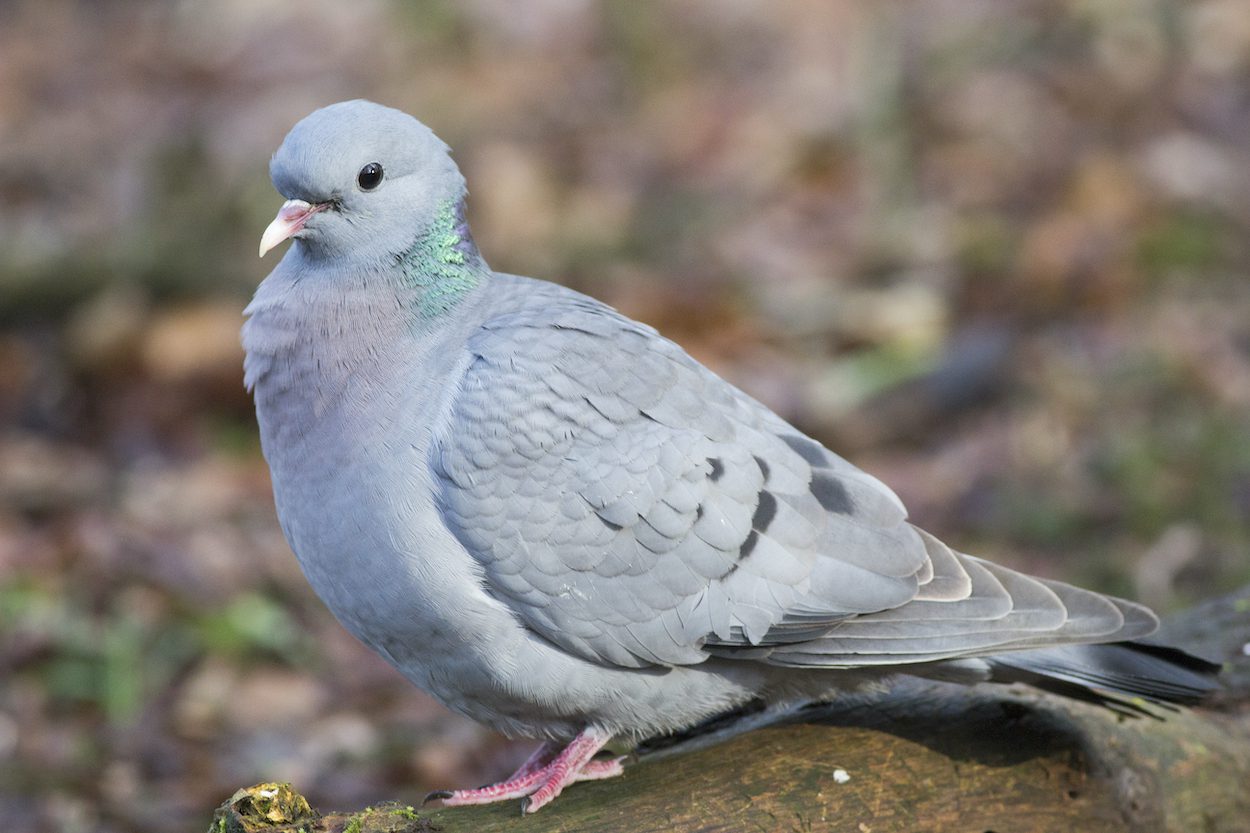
291, 218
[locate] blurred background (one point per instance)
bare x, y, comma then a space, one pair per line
994, 251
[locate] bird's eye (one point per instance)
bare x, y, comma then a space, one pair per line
370, 176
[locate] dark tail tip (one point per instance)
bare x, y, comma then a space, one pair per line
1114, 674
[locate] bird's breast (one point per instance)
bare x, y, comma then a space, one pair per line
347, 429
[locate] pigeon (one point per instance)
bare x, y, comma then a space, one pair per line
558, 523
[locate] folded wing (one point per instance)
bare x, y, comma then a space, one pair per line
635, 509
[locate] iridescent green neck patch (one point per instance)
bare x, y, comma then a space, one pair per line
443, 264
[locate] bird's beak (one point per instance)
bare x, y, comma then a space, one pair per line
291, 218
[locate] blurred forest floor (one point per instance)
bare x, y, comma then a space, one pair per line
993, 251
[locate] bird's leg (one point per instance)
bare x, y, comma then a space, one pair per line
592, 771
536, 761
565, 768
544, 774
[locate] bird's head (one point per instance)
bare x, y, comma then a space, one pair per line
361, 180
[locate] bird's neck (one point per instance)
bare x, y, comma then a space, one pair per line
353, 330
443, 265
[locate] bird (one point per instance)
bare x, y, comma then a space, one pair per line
559, 524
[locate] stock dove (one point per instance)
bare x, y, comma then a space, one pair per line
558, 523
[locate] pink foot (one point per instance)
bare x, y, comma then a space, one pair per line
543, 775
599, 770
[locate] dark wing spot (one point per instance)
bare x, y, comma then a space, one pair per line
718, 469
608, 524
748, 545
763, 467
831, 494
809, 450
765, 511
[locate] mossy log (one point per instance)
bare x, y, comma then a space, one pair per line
922, 757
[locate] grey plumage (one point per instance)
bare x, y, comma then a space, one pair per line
555, 520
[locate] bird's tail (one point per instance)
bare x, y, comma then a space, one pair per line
1123, 676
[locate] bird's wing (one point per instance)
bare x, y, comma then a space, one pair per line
635, 509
